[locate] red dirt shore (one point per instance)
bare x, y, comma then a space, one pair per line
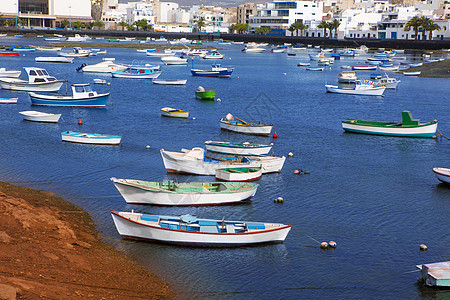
50, 249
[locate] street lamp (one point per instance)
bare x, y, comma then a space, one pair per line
17, 10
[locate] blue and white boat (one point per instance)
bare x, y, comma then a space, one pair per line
216, 71
136, 73
212, 55
90, 138
83, 95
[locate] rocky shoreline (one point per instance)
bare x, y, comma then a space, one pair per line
51, 249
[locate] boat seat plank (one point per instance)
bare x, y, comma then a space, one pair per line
151, 218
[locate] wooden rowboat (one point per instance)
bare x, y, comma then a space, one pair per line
188, 230
239, 174
90, 138
174, 113
8, 100
442, 174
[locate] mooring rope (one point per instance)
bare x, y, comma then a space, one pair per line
301, 171
440, 135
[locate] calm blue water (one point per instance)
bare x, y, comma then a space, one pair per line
375, 196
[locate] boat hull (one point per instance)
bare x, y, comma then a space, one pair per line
426, 131
90, 138
170, 82
229, 175
175, 114
48, 100
56, 59
205, 95
128, 226
136, 76
247, 129
36, 116
208, 73
14, 85
237, 150
180, 164
136, 195
375, 91
442, 174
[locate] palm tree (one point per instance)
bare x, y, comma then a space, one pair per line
123, 24
201, 23
99, 24
335, 23
65, 23
323, 25
431, 26
77, 25
242, 28
298, 26
291, 29
262, 30
425, 22
232, 28
415, 23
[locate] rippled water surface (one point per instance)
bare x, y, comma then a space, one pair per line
375, 196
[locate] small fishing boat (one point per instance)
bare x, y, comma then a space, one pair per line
77, 52
8, 100
173, 193
323, 62
160, 54
54, 59
314, 68
43, 48
388, 82
77, 38
38, 81
212, 55
316, 57
388, 68
234, 124
90, 138
362, 87
216, 71
188, 230
174, 60
99, 81
375, 76
203, 94
37, 116
174, 113
254, 50
136, 73
347, 77
8, 53
245, 148
10, 73
412, 73
364, 68
146, 50
196, 161
414, 65
347, 53
239, 174
303, 64
409, 127
442, 174
23, 49
82, 95
169, 82
103, 67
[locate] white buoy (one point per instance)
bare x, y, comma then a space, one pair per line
423, 247
218, 99
290, 154
108, 83
280, 199
194, 118
332, 244
284, 73
148, 147
324, 245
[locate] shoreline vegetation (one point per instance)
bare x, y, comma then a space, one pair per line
51, 249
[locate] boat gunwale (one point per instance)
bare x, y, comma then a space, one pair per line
385, 124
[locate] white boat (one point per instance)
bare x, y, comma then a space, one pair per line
42, 48
212, 55
194, 162
37, 116
245, 148
8, 100
254, 50
413, 73
160, 54
368, 88
315, 68
183, 193
10, 73
234, 124
388, 68
174, 60
99, 81
302, 64
136, 73
188, 230
77, 52
442, 174
347, 77
54, 59
77, 38
104, 67
90, 138
38, 81
174, 113
388, 82
146, 50
169, 82
239, 174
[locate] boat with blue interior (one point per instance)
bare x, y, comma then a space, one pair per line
136, 73
216, 71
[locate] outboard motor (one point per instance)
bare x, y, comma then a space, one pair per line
81, 67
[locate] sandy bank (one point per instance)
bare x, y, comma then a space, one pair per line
50, 249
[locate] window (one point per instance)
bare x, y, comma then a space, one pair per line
79, 89
40, 72
39, 80
33, 6
33, 73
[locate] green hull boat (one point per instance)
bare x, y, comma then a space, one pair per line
205, 95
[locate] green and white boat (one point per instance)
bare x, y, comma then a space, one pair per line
409, 127
202, 94
172, 193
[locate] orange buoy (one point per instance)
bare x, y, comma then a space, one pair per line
296, 172
324, 245
275, 136
123, 59
80, 122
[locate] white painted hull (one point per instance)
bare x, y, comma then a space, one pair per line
245, 129
10, 74
73, 54
37, 116
170, 60
424, 131
89, 138
255, 50
229, 176
128, 224
175, 114
442, 174
21, 85
57, 59
135, 195
376, 91
136, 76
103, 69
191, 165
8, 100
170, 82
261, 150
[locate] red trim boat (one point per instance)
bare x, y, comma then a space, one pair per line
9, 53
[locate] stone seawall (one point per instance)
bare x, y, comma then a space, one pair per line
315, 41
